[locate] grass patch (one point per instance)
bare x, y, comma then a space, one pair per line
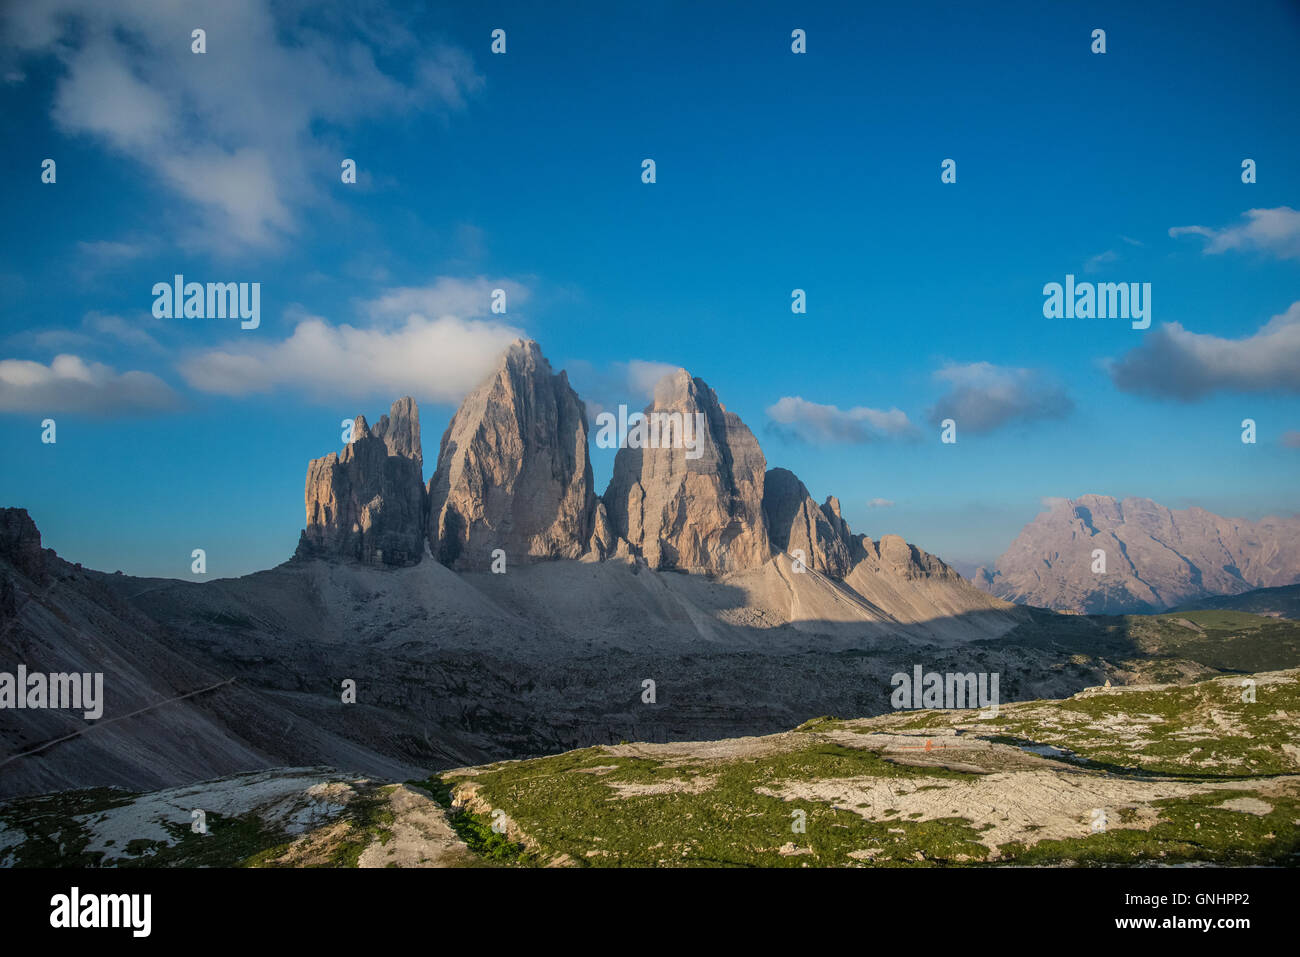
569, 808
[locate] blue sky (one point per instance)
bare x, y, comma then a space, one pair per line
775, 171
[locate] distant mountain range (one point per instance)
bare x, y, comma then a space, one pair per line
1154, 557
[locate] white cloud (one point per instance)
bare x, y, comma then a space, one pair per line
881, 503
797, 418
70, 384
984, 397
435, 342
246, 132
1273, 231
643, 375
437, 360
446, 296
1177, 364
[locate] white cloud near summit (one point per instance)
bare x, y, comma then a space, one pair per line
434, 342
1174, 363
1275, 232
795, 417
237, 132
603, 388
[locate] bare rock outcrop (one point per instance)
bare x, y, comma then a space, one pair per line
797, 524
603, 542
896, 557
700, 509
400, 430
368, 503
20, 543
1155, 557
513, 469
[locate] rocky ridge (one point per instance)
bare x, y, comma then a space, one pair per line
514, 474
367, 502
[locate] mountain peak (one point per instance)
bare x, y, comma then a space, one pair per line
367, 502
702, 511
1154, 557
513, 468
796, 524
400, 430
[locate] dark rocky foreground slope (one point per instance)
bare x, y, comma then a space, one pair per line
1143, 775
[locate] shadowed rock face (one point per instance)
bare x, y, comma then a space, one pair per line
20, 543
367, 503
513, 469
1155, 557
702, 514
796, 524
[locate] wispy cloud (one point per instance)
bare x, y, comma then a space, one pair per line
96, 330
71, 384
445, 296
794, 417
1094, 263
1174, 363
984, 397
111, 251
1274, 232
631, 383
236, 132
880, 503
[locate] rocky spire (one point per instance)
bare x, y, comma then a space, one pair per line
367, 503
400, 430
513, 469
693, 510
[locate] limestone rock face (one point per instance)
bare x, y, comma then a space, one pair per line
701, 514
400, 430
796, 524
513, 470
367, 503
1155, 557
896, 557
603, 543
